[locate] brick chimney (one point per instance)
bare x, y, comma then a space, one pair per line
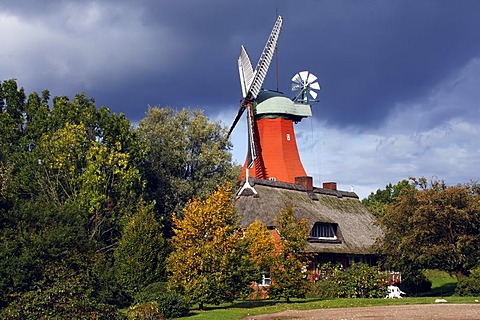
305, 181
330, 185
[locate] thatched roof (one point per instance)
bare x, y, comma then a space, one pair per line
356, 225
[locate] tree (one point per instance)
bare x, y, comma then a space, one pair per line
70, 179
378, 202
140, 254
434, 227
187, 157
261, 247
207, 258
289, 278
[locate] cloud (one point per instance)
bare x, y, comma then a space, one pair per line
79, 46
436, 137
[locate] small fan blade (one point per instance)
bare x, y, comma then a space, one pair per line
315, 86
296, 78
313, 94
303, 75
297, 86
311, 78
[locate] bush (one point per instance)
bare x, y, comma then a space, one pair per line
172, 305
151, 292
469, 286
414, 283
357, 281
147, 311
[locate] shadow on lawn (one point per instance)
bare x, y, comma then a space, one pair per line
445, 290
249, 304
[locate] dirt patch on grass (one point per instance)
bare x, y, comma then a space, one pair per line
404, 312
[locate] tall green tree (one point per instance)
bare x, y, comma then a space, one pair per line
140, 254
433, 226
70, 180
188, 155
207, 258
289, 277
378, 202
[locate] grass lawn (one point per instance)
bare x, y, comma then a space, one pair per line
239, 310
443, 286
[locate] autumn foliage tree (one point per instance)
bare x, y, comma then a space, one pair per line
433, 226
289, 278
261, 248
207, 258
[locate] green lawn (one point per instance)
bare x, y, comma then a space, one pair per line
239, 310
443, 286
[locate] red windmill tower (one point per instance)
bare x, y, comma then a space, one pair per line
272, 147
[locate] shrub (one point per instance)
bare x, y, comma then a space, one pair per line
147, 311
357, 281
173, 305
469, 286
152, 292
414, 283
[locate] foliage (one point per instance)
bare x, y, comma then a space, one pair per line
469, 286
172, 305
357, 281
70, 179
414, 282
289, 277
206, 264
151, 292
261, 247
63, 293
435, 227
140, 253
378, 202
188, 155
144, 311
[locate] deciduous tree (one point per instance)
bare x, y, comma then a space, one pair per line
434, 226
261, 248
207, 258
378, 202
289, 277
188, 155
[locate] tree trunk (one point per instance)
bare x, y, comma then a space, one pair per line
460, 275
200, 306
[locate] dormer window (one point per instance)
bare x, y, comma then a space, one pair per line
324, 232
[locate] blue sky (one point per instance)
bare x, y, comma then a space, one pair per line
400, 79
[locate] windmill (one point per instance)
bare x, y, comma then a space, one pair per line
272, 149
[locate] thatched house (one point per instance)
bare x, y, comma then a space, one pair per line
342, 229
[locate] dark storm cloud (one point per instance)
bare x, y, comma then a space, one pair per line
369, 55
399, 79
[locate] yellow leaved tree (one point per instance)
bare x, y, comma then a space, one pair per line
207, 263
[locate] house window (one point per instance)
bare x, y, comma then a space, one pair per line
265, 282
323, 231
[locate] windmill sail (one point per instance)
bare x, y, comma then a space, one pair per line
245, 70
266, 58
251, 82
252, 152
